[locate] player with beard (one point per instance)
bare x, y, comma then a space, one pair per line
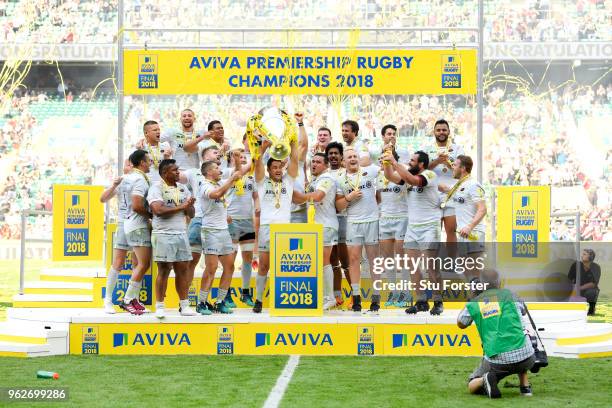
275, 195
322, 192
357, 193
446, 153
423, 232
184, 142
350, 130
339, 255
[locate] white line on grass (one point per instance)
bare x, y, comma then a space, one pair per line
283, 380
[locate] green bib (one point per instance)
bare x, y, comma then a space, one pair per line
498, 321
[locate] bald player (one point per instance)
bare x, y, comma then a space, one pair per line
446, 153
184, 141
157, 150
357, 193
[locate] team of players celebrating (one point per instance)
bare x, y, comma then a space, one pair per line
186, 193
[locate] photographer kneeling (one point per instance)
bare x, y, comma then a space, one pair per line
507, 351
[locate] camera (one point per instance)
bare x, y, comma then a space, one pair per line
541, 358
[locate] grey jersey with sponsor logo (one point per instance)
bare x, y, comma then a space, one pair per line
170, 197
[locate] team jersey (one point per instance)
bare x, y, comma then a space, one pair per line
364, 209
465, 198
240, 199
298, 186
214, 211
194, 183
443, 173
136, 185
337, 175
359, 146
393, 197
177, 139
170, 197
424, 202
124, 200
325, 210
156, 153
272, 194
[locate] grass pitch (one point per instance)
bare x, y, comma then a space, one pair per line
245, 381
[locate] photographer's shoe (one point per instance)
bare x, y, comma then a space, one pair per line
489, 382
526, 391
419, 306
437, 308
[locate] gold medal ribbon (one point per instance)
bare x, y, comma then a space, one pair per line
143, 174
155, 156
348, 181
277, 188
222, 199
173, 192
453, 190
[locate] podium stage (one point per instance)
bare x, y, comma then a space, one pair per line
50, 331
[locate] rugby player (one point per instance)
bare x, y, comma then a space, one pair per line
120, 189
446, 153
298, 211
275, 195
357, 193
392, 228
157, 151
423, 232
137, 229
322, 191
350, 130
339, 255
216, 241
241, 197
184, 142
469, 200
170, 202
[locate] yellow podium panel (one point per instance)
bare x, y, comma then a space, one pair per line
78, 223
296, 269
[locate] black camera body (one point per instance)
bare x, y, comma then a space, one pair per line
541, 358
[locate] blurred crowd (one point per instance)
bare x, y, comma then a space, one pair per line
530, 140
95, 21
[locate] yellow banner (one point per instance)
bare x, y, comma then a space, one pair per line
524, 221
293, 72
78, 223
275, 339
296, 269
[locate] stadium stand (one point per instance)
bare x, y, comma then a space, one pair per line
54, 21
554, 124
